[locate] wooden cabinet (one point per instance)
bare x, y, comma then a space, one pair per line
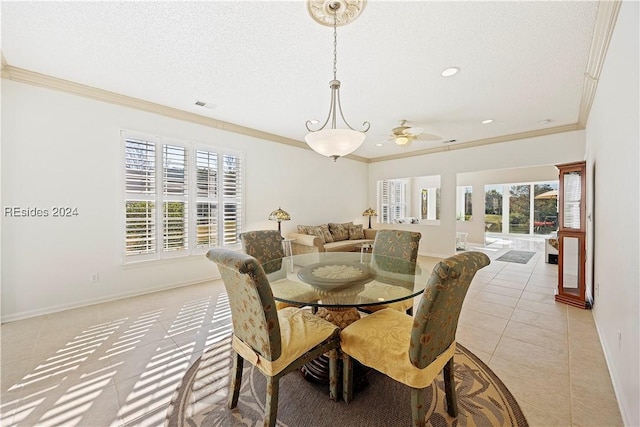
571, 235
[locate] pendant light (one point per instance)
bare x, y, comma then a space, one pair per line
332, 141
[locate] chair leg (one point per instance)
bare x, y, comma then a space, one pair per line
450, 389
347, 378
333, 374
271, 403
418, 408
236, 380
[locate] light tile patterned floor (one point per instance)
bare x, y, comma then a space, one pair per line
548, 354
118, 363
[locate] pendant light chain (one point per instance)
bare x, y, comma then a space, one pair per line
335, 44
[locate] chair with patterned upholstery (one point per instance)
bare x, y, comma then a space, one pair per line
276, 342
413, 350
387, 246
266, 247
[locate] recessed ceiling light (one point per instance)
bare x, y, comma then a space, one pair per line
545, 121
450, 71
379, 144
486, 122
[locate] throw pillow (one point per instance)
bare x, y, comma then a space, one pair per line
339, 231
356, 232
326, 234
304, 229
322, 231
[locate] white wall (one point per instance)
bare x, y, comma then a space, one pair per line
613, 161
63, 150
509, 157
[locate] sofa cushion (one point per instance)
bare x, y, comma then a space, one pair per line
356, 232
322, 231
345, 245
339, 231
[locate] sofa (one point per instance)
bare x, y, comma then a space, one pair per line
331, 237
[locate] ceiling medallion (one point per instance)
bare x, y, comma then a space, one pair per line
322, 11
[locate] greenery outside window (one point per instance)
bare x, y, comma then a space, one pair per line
463, 203
189, 183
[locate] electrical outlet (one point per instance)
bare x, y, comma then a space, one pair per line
94, 278
597, 289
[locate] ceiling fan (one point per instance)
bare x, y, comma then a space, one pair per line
403, 135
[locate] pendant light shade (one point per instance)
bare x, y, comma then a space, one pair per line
335, 143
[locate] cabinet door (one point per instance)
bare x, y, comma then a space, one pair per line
571, 235
572, 197
571, 257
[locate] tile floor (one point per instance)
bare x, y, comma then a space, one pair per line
118, 363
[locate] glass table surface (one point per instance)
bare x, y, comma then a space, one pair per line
345, 279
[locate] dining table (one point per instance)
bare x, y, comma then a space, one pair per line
343, 286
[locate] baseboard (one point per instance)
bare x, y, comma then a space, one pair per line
624, 411
55, 309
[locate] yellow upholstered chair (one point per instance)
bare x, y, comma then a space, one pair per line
413, 350
388, 245
274, 341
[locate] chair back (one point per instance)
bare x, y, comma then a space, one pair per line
390, 244
253, 309
436, 318
266, 247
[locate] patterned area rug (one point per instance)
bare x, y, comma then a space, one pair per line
201, 398
520, 257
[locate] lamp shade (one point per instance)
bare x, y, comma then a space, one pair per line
335, 142
370, 212
279, 215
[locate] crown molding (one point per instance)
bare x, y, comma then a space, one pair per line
481, 142
605, 22
42, 80
603, 31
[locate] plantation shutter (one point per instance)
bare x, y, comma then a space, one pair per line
179, 199
231, 198
207, 199
384, 196
140, 186
175, 198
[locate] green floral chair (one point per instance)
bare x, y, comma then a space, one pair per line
387, 246
413, 350
266, 247
274, 341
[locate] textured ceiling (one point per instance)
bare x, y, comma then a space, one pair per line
267, 64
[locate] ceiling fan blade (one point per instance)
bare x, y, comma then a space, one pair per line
415, 131
428, 137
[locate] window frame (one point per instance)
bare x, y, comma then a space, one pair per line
191, 200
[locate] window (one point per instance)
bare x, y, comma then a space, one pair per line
463, 203
409, 200
393, 206
173, 194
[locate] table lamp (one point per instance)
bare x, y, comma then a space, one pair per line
370, 212
279, 215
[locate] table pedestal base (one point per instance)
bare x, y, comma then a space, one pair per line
317, 370
341, 317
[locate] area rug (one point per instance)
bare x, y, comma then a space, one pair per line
201, 398
520, 257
